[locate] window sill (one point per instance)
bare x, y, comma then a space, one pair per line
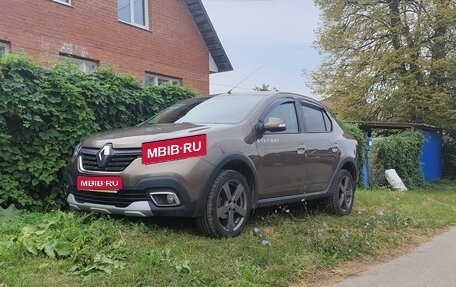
145, 28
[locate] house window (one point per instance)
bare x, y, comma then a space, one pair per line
67, 2
155, 80
133, 12
85, 65
4, 49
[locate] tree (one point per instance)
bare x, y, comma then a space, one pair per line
390, 60
265, 88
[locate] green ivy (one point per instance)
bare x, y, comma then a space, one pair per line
359, 135
402, 153
45, 112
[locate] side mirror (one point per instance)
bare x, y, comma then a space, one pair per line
275, 125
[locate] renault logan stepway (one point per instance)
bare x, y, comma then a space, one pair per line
216, 159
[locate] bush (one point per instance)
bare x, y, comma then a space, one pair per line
449, 155
45, 112
359, 135
401, 152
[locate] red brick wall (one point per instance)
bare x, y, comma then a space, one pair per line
172, 46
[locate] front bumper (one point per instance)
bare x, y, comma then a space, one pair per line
133, 202
137, 208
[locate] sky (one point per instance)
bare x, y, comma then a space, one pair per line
276, 35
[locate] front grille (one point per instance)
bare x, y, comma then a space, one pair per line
121, 159
122, 198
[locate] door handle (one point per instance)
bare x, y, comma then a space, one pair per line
301, 149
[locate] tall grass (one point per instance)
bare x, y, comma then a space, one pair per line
281, 244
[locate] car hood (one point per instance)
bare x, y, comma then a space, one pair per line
134, 137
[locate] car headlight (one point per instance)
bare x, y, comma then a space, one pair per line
76, 151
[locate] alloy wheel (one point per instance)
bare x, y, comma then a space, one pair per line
232, 205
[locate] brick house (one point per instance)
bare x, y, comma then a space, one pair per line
155, 40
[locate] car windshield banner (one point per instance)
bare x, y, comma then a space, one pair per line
174, 149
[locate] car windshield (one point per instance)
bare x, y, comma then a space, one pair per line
215, 110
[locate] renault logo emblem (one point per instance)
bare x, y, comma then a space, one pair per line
104, 155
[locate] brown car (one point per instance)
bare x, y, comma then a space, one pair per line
217, 159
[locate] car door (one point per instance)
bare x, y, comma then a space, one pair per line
280, 165
322, 152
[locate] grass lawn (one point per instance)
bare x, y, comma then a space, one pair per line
84, 249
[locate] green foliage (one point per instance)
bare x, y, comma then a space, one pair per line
388, 60
359, 135
335, 244
402, 153
164, 259
59, 235
449, 155
304, 242
9, 213
265, 88
45, 112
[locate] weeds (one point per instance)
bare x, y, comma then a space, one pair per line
7, 214
83, 249
89, 243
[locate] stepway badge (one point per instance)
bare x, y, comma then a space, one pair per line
174, 149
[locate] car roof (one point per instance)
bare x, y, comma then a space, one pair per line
269, 94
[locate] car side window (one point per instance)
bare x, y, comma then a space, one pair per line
328, 122
316, 120
287, 112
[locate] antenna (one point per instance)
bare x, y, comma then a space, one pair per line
243, 80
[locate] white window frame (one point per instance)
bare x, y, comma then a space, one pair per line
132, 15
157, 78
83, 64
64, 2
6, 48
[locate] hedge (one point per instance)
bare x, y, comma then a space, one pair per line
449, 155
402, 153
359, 135
45, 112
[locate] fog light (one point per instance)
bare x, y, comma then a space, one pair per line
165, 198
170, 199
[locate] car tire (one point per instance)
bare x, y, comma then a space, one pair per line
342, 194
228, 206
